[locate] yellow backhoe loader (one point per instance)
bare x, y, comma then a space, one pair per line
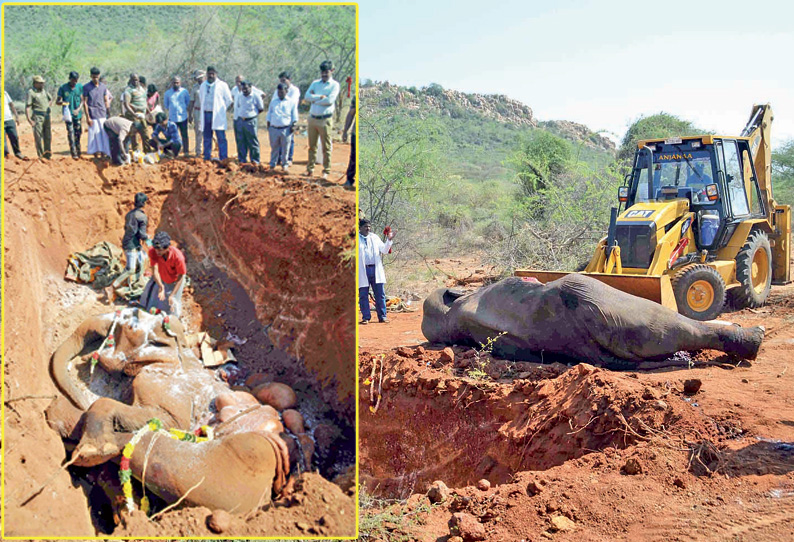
700, 222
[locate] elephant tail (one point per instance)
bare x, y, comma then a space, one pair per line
61, 361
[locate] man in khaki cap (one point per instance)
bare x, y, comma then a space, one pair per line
37, 111
194, 110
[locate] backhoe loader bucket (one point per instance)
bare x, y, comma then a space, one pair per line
655, 287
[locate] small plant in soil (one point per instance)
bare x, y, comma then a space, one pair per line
482, 358
388, 519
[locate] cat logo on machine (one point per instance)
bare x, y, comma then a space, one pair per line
639, 214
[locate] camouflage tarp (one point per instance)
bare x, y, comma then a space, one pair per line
99, 266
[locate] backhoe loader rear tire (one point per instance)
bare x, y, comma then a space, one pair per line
753, 271
699, 292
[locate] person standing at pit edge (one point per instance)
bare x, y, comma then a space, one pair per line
135, 224
350, 125
294, 94
10, 126
37, 110
282, 115
70, 96
215, 100
194, 111
370, 271
96, 104
133, 107
164, 289
322, 95
176, 102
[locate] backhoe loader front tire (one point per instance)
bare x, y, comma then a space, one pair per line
753, 271
699, 292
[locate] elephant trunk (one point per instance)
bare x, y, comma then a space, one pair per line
739, 341
89, 331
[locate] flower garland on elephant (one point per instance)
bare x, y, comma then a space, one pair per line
202, 434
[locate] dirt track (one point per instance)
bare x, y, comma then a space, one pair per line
265, 252
555, 442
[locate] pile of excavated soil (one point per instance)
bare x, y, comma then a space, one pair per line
462, 444
475, 428
267, 255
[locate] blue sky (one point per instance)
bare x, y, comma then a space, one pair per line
599, 63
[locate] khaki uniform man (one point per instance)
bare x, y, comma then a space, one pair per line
37, 111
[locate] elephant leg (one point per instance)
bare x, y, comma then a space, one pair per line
235, 472
107, 426
64, 418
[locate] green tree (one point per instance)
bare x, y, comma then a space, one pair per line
399, 165
659, 125
539, 160
783, 172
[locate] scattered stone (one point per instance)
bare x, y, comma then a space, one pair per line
405, 352
745, 381
649, 394
438, 492
219, 521
660, 405
415, 501
302, 526
692, 386
419, 351
325, 435
279, 396
632, 467
257, 379
293, 420
562, 524
467, 527
534, 488
327, 522
483, 485
678, 482
447, 355
455, 539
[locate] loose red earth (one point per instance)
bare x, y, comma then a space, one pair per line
577, 453
266, 254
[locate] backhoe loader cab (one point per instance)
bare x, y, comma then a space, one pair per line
699, 222
709, 174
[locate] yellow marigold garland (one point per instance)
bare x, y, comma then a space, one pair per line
202, 434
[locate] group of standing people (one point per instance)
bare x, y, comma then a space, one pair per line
205, 107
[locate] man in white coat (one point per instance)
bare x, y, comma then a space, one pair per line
370, 271
215, 100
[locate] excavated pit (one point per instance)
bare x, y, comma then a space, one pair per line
266, 259
433, 424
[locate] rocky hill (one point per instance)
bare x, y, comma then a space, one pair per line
434, 99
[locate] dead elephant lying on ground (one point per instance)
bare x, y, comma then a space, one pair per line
152, 373
575, 317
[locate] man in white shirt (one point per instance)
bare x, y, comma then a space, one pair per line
370, 271
248, 106
322, 95
215, 100
10, 125
194, 110
281, 118
236, 91
294, 94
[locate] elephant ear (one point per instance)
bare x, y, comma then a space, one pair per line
451, 294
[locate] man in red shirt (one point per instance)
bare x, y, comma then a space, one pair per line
164, 289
